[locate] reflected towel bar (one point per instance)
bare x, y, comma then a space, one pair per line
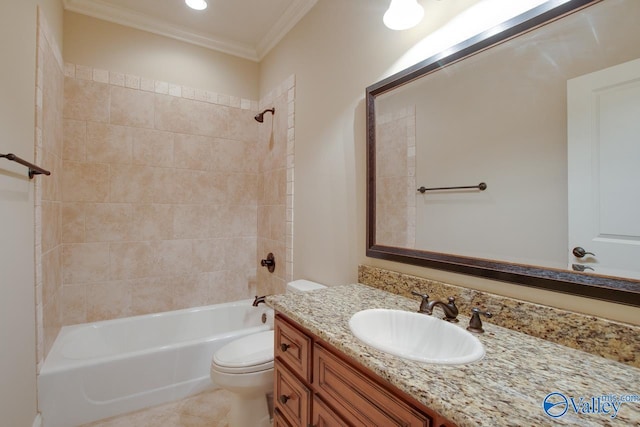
482, 186
33, 169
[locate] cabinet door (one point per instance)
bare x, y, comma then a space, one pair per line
294, 348
358, 398
291, 397
323, 416
279, 420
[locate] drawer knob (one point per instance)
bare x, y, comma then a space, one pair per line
283, 399
284, 347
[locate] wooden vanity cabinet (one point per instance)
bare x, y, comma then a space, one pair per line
315, 385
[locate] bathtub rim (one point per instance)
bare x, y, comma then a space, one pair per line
55, 362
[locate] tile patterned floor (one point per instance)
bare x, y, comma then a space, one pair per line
208, 409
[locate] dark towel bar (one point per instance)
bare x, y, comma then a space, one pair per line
33, 169
482, 186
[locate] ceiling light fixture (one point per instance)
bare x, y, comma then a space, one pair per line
196, 4
403, 14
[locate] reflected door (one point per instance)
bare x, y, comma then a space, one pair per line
604, 170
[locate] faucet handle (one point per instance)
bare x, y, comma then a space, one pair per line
475, 324
425, 302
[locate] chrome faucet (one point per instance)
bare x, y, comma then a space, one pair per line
258, 300
449, 308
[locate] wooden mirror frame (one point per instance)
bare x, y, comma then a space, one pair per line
614, 289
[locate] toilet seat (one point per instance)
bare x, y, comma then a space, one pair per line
251, 353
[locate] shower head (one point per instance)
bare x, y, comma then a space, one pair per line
260, 116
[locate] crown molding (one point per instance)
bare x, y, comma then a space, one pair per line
133, 19
288, 20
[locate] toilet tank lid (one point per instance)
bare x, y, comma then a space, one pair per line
302, 285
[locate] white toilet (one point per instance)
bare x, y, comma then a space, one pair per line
245, 368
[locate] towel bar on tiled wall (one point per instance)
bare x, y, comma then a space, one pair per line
33, 169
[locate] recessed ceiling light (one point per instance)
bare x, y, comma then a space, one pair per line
196, 4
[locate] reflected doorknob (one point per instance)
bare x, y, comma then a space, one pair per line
580, 267
579, 252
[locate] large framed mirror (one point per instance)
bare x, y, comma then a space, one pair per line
515, 155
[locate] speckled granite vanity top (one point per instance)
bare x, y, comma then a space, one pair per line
506, 388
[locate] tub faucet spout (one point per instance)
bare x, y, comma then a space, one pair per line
258, 300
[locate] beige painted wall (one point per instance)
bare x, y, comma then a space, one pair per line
336, 51
104, 45
17, 113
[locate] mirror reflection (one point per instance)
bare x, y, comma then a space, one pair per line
548, 120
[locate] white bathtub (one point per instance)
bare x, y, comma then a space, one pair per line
98, 370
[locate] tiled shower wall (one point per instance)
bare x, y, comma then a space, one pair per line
396, 178
275, 195
160, 195
48, 195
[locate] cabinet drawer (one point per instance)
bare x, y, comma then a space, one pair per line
358, 398
293, 347
291, 397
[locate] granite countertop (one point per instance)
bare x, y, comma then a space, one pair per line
506, 388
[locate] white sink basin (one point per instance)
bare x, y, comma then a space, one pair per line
416, 336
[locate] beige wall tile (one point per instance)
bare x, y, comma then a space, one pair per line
131, 107
153, 148
108, 222
73, 223
242, 125
192, 152
191, 290
209, 255
173, 257
74, 304
234, 156
232, 285
132, 184
86, 100
241, 253
85, 263
75, 134
184, 186
161, 200
190, 222
151, 295
51, 187
242, 189
133, 260
83, 182
51, 225
274, 188
215, 188
277, 220
240, 221
152, 222
109, 144
51, 319
190, 117
51, 274
108, 300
